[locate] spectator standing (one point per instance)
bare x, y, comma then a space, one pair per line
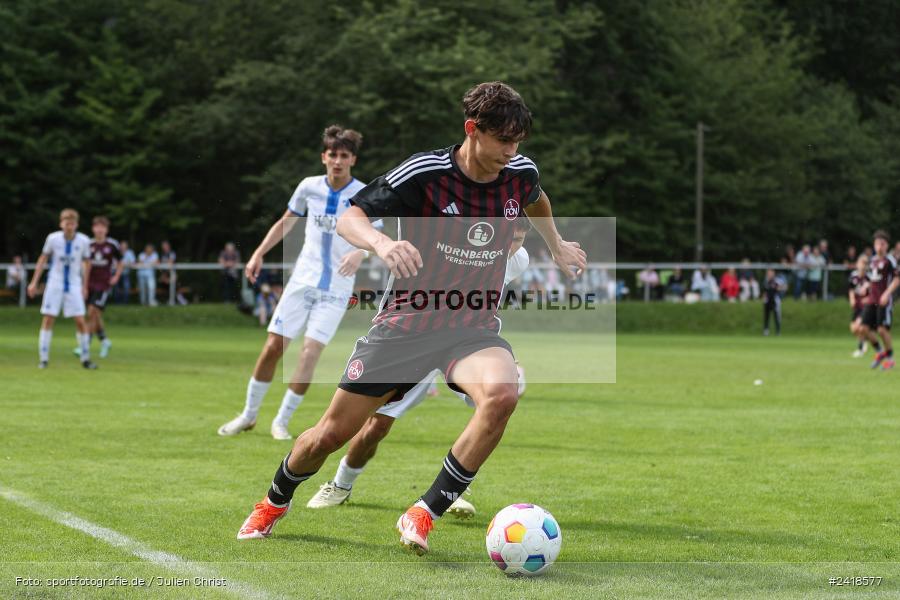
747, 280
675, 285
649, 279
729, 285
123, 289
814, 276
851, 258
148, 260
704, 283
15, 275
229, 258
774, 288
802, 263
824, 251
167, 258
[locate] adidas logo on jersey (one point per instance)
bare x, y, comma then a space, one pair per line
451, 496
451, 209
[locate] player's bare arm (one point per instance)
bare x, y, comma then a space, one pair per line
120, 267
565, 254
276, 233
36, 278
351, 262
401, 257
85, 276
889, 292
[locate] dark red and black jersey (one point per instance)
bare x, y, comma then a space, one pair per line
859, 285
882, 270
103, 256
462, 229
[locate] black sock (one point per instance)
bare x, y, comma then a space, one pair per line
860, 346
877, 347
890, 352
101, 333
284, 483
449, 485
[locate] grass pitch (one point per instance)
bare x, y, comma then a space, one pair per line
684, 479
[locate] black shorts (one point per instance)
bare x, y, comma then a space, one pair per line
875, 316
857, 313
389, 359
98, 299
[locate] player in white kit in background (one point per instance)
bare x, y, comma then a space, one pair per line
364, 444
69, 255
322, 282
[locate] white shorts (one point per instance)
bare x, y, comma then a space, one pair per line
414, 397
302, 305
71, 303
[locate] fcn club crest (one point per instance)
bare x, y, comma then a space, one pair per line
511, 209
355, 370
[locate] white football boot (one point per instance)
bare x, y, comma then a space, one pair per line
236, 425
462, 508
280, 431
328, 495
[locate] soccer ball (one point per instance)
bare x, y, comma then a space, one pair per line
523, 539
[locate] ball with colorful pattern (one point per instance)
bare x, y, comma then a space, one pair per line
523, 539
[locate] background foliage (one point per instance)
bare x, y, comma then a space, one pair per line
194, 121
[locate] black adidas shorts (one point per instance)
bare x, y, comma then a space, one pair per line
875, 316
857, 313
98, 299
389, 359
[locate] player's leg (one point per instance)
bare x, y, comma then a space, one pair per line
325, 312
259, 383
45, 337
342, 420
360, 451
99, 327
82, 334
884, 330
300, 382
365, 443
767, 311
488, 376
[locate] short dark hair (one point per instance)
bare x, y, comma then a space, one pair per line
101, 219
498, 109
881, 234
337, 138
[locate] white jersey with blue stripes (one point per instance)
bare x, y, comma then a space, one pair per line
319, 260
66, 260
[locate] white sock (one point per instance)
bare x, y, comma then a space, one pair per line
346, 475
289, 404
421, 504
256, 391
84, 340
44, 339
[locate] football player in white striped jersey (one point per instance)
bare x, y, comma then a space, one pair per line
68, 254
320, 286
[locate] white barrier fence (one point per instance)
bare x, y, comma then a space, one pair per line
610, 272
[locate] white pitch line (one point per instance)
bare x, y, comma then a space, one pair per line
166, 560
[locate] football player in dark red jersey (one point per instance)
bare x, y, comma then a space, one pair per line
105, 254
471, 193
857, 291
883, 281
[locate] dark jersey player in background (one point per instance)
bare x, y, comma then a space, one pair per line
857, 292
105, 254
472, 193
773, 289
883, 281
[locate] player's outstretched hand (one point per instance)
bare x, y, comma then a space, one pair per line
570, 255
885, 298
253, 267
350, 263
32, 290
401, 257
